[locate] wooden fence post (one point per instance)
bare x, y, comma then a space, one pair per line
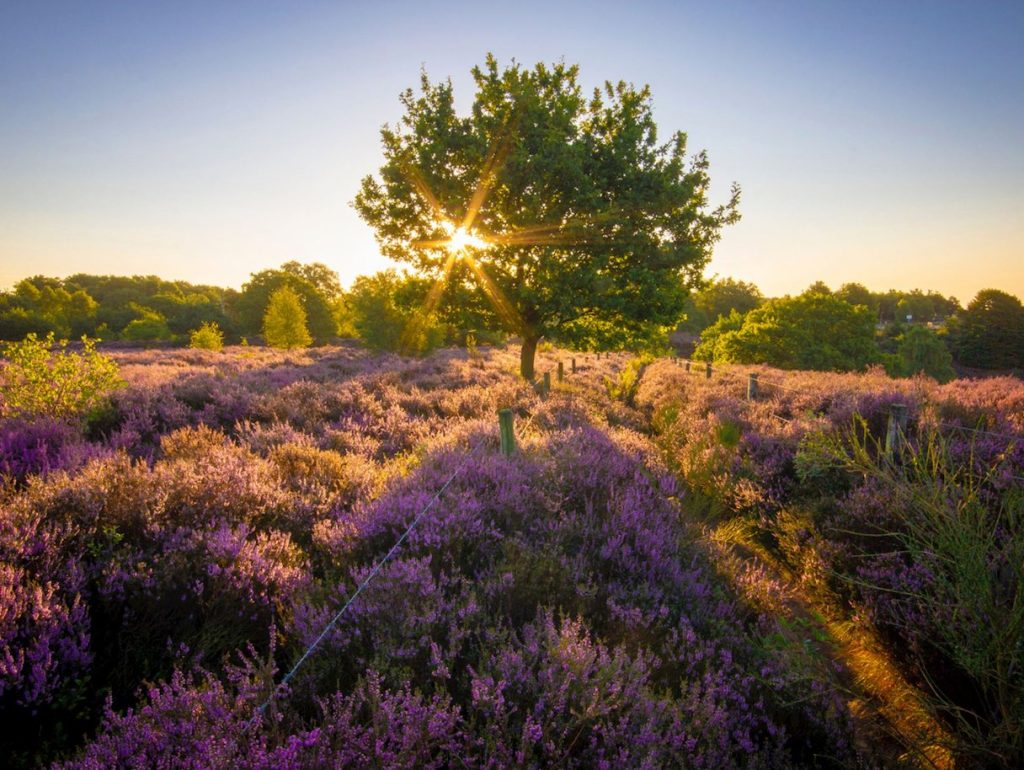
896, 429
508, 437
752, 390
547, 383
561, 372
687, 365
707, 371
574, 366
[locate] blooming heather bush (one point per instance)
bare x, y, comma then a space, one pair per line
44, 622
323, 480
187, 722
41, 446
929, 547
199, 721
550, 608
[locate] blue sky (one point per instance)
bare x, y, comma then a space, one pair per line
880, 142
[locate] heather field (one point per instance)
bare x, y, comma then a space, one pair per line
664, 573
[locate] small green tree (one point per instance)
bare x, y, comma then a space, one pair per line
284, 324
43, 378
207, 337
316, 285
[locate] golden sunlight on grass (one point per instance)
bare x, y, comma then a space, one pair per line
884, 703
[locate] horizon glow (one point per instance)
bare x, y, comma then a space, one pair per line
878, 144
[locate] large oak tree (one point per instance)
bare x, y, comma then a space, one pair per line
594, 228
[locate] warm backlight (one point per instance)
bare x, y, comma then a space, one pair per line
460, 239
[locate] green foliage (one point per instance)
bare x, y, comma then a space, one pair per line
190, 311
184, 305
921, 350
207, 337
858, 294
344, 317
816, 466
315, 285
718, 299
729, 434
149, 326
973, 544
284, 324
17, 321
818, 287
624, 388
811, 331
625, 220
990, 333
896, 305
712, 335
387, 314
43, 305
43, 378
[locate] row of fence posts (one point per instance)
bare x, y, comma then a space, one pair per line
505, 416
895, 432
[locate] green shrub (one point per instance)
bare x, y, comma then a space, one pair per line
624, 389
207, 337
150, 326
812, 331
43, 378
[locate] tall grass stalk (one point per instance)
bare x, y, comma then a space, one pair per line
967, 529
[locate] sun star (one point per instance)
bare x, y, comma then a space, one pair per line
460, 239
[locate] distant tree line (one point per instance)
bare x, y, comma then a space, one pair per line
852, 328
720, 297
298, 304
291, 306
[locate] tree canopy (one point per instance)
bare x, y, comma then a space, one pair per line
990, 332
590, 228
810, 331
719, 298
316, 285
106, 306
921, 351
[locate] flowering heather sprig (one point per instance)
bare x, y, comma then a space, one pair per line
40, 447
551, 608
44, 622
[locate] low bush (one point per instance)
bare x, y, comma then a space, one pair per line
43, 378
207, 337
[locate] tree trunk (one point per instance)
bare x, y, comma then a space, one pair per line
526, 356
